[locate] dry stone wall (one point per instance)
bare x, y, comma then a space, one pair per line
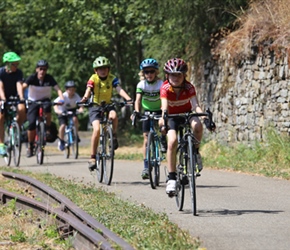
248, 97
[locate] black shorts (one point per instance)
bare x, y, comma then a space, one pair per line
175, 122
146, 124
64, 119
95, 113
32, 113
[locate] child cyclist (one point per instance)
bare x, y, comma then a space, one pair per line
70, 99
179, 96
148, 96
101, 85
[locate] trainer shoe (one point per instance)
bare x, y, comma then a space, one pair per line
145, 174
61, 145
92, 164
171, 188
29, 152
163, 144
3, 151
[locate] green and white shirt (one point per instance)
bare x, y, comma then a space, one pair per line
150, 94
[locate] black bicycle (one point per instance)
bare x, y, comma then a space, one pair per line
186, 159
40, 138
105, 150
154, 155
71, 136
12, 137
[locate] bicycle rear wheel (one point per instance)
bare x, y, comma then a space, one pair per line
108, 154
15, 143
40, 143
180, 179
152, 161
191, 164
7, 157
74, 142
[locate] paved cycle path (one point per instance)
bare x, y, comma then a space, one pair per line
235, 211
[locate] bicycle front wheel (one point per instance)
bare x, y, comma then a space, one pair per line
7, 157
67, 143
40, 143
191, 164
152, 161
108, 154
180, 179
99, 159
74, 142
15, 143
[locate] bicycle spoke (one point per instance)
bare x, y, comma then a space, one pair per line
180, 181
108, 153
15, 143
152, 161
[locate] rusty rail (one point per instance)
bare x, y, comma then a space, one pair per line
66, 211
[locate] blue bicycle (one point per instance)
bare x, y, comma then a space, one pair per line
154, 155
71, 136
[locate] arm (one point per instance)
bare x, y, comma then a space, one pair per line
2, 93
20, 90
59, 92
195, 106
123, 93
138, 102
86, 95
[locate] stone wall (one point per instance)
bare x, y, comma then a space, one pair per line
247, 97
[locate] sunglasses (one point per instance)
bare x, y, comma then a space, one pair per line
15, 64
149, 72
43, 69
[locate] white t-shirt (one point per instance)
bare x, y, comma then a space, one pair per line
69, 103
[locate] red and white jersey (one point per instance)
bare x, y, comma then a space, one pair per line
178, 103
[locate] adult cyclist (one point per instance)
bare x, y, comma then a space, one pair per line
11, 79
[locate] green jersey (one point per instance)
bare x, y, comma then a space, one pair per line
150, 94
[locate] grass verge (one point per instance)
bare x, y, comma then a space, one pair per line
135, 223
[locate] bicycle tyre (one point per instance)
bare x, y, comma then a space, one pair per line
74, 142
67, 144
108, 154
15, 139
191, 164
99, 159
7, 157
152, 161
180, 186
40, 143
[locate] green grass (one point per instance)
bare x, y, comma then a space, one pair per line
135, 223
270, 158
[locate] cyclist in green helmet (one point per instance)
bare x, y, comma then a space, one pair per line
11, 79
101, 85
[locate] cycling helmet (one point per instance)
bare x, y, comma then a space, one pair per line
11, 57
149, 62
70, 84
175, 65
42, 63
101, 61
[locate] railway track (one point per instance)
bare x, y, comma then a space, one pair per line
86, 232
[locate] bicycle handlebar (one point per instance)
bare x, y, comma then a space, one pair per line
41, 103
103, 104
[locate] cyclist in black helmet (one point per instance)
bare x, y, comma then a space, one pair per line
40, 85
70, 99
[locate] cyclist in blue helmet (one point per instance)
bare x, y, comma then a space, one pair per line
148, 99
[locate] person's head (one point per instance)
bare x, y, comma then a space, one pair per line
149, 69
102, 66
175, 70
70, 88
41, 68
11, 60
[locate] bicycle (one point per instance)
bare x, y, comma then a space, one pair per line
154, 155
12, 136
71, 136
40, 137
186, 159
105, 150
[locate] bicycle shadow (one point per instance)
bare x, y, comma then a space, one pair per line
228, 212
